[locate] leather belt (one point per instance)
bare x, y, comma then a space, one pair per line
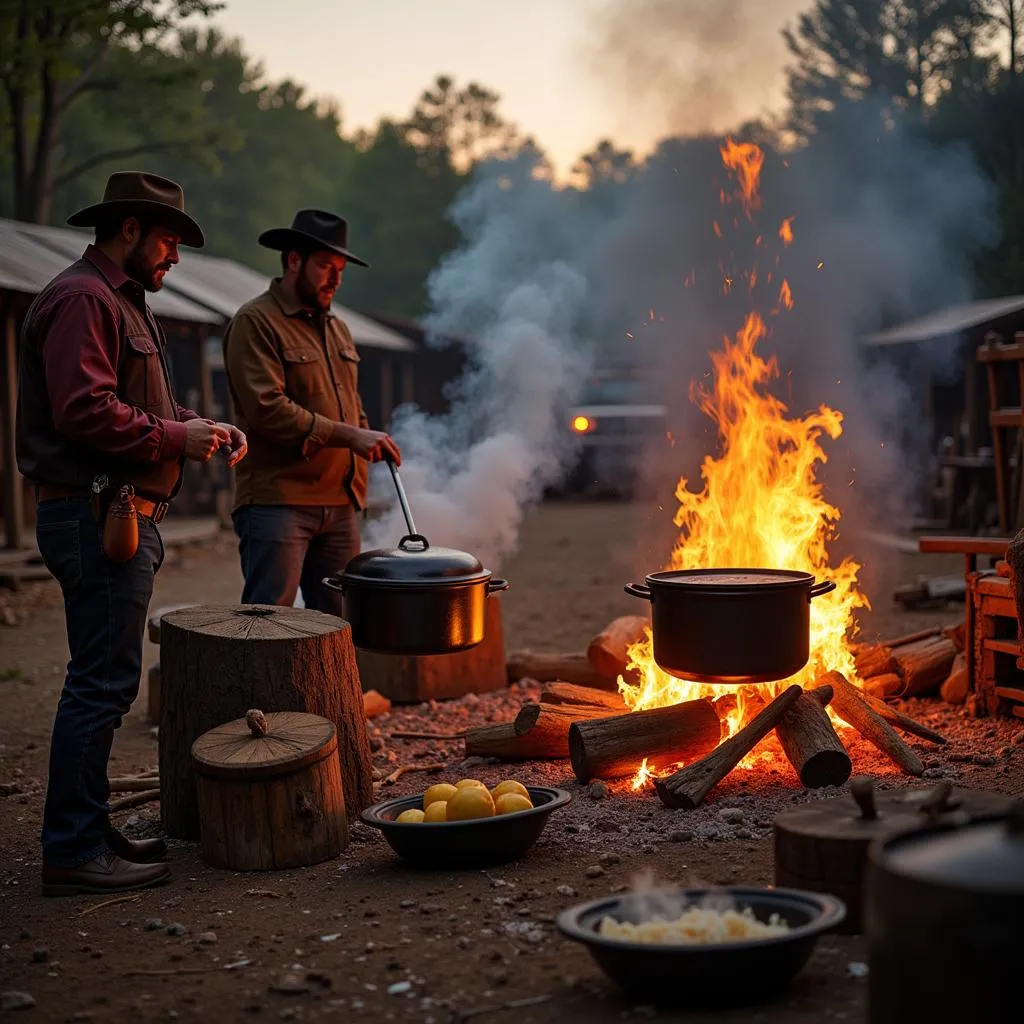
153, 510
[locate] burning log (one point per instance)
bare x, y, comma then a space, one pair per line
753, 705
901, 721
887, 685
608, 652
687, 787
851, 706
924, 664
814, 750
875, 660
611, 747
546, 668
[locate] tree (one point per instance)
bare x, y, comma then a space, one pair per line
460, 126
604, 165
1005, 18
903, 54
54, 54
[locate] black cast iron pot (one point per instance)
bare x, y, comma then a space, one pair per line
415, 599
730, 625
944, 920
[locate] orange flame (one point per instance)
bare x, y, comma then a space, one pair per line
786, 231
745, 159
786, 295
760, 504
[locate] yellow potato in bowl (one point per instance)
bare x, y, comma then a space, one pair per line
468, 803
437, 811
511, 786
468, 783
510, 803
413, 814
442, 791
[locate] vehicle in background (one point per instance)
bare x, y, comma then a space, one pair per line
614, 424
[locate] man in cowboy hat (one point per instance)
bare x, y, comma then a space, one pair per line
292, 368
95, 413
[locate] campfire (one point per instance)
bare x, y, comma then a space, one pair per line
760, 504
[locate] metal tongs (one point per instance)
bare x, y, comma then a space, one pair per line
404, 502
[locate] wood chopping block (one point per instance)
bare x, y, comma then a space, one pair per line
822, 846
270, 792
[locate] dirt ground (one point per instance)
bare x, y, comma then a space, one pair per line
365, 937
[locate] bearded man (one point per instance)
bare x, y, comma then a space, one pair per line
96, 421
292, 368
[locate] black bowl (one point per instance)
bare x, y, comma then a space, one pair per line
474, 843
731, 973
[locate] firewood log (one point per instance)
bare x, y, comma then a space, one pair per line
586, 696
954, 689
687, 787
875, 660
547, 668
887, 685
502, 741
901, 721
924, 664
608, 651
549, 724
814, 750
851, 707
612, 747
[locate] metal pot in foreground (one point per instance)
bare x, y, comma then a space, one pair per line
944, 919
731, 625
415, 599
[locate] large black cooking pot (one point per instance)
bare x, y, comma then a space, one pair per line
944, 919
415, 599
730, 625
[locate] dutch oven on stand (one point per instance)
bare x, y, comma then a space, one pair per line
944, 916
415, 599
730, 626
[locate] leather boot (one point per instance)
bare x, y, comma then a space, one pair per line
138, 851
106, 873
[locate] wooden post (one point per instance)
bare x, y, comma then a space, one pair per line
219, 662
14, 524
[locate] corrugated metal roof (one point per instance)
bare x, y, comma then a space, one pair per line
949, 321
218, 285
32, 262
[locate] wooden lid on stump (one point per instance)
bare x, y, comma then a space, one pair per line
264, 745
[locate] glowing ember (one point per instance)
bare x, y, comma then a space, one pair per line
761, 505
786, 231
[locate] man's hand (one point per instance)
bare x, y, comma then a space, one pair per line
374, 445
204, 438
237, 447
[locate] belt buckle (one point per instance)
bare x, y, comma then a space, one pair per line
159, 511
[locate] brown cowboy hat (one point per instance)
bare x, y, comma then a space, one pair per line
312, 230
137, 192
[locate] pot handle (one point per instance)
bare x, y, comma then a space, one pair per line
817, 589
640, 590
495, 586
331, 583
414, 538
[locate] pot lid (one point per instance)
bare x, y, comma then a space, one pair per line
262, 745
866, 814
415, 561
979, 856
731, 578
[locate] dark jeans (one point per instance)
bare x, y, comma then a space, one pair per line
284, 547
105, 607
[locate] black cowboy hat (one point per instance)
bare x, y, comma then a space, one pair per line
136, 192
312, 230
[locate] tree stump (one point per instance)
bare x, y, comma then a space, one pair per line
270, 793
218, 662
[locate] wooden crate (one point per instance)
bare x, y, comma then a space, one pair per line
995, 678
409, 680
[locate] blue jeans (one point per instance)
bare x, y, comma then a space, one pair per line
105, 608
284, 547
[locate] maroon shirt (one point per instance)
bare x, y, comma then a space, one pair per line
94, 392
